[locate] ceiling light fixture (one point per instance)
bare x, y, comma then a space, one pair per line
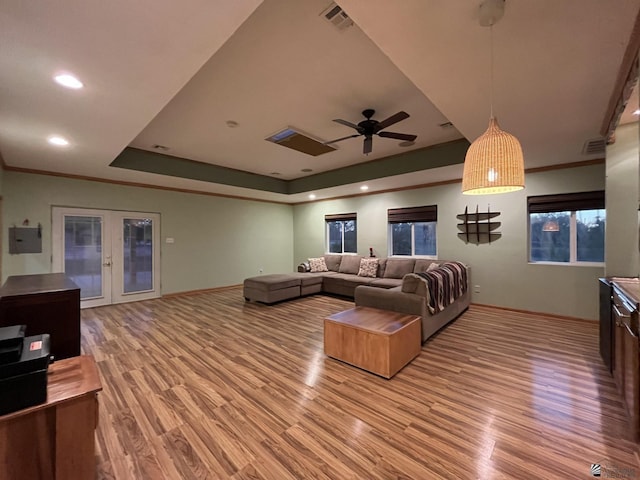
69, 81
231, 123
637, 112
58, 141
364, 188
494, 162
312, 196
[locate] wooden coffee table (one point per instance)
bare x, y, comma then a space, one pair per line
379, 341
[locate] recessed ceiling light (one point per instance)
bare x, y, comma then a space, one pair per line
406, 144
306, 170
364, 188
58, 141
157, 146
312, 196
275, 173
232, 123
637, 112
68, 80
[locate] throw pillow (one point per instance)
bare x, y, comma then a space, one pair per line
368, 267
317, 265
433, 266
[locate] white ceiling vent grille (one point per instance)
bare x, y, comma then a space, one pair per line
301, 142
336, 16
596, 146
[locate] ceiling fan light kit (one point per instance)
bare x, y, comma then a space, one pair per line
369, 127
494, 162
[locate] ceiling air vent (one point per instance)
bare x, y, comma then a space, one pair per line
301, 142
337, 17
596, 146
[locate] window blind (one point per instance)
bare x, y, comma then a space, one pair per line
566, 202
340, 216
413, 214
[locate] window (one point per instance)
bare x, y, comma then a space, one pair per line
342, 233
412, 231
567, 228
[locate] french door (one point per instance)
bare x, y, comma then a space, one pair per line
113, 256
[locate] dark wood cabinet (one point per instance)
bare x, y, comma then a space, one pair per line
607, 328
45, 303
631, 376
624, 315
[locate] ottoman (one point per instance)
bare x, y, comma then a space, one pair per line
309, 283
271, 288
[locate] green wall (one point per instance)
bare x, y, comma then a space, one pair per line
623, 189
218, 241
501, 269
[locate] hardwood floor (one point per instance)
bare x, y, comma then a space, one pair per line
208, 386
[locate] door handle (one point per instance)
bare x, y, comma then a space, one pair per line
107, 263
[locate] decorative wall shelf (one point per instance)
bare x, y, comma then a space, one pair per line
477, 227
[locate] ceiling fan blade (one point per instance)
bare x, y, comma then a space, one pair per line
398, 136
398, 117
340, 139
368, 145
347, 124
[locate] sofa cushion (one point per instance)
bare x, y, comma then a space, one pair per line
413, 283
350, 264
271, 282
398, 267
386, 282
433, 266
422, 265
333, 262
368, 267
382, 263
317, 265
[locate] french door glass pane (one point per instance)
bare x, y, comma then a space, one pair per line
138, 255
83, 254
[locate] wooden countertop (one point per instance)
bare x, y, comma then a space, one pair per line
630, 288
39, 283
67, 379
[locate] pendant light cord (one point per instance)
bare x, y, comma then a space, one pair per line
491, 45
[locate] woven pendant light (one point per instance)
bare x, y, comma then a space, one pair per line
494, 162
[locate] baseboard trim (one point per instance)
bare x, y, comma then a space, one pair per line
531, 312
199, 291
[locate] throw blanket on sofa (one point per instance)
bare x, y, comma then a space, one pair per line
446, 283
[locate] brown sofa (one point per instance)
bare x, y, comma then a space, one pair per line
342, 277
397, 286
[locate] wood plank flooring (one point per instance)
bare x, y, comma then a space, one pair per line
208, 386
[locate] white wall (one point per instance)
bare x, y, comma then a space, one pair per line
218, 241
623, 189
501, 268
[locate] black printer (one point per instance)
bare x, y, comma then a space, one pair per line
24, 362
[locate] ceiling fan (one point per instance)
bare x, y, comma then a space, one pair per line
368, 128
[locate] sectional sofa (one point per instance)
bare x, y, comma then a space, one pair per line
396, 284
